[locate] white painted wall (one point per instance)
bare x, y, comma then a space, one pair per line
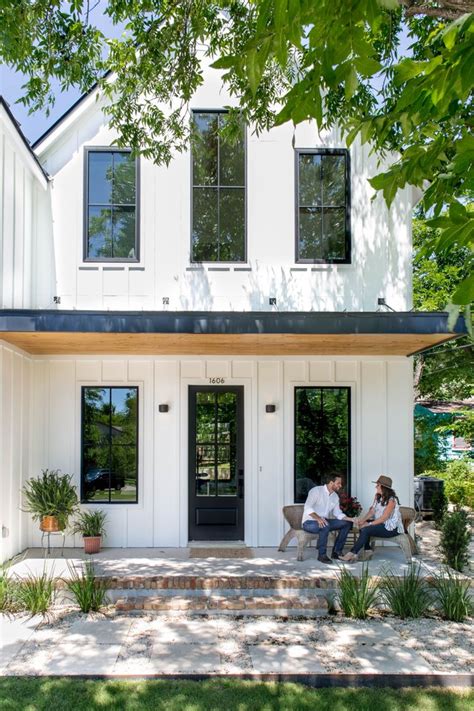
15, 434
23, 192
381, 392
381, 239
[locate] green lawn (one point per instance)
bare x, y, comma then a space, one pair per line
32, 694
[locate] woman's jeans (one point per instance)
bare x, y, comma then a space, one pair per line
334, 524
378, 530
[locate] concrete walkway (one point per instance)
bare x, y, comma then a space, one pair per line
76, 644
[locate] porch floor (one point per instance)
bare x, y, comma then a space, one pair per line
149, 562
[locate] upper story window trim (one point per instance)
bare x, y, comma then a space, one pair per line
218, 186
88, 151
346, 259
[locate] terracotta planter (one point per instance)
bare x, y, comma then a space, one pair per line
92, 544
50, 524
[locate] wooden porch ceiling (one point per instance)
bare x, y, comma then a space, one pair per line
47, 343
224, 333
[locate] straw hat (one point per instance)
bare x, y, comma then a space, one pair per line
384, 481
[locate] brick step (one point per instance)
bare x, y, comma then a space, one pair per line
193, 582
316, 604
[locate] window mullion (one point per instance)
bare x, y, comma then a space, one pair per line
218, 189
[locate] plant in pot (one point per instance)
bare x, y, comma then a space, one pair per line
91, 526
51, 498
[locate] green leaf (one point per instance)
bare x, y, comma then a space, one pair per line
367, 66
225, 62
351, 83
464, 294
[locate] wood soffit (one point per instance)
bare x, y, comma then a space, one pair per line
52, 343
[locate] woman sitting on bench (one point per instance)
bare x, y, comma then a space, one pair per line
386, 523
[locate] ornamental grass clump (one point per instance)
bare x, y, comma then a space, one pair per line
408, 595
89, 592
8, 586
453, 596
36, 593
357, 595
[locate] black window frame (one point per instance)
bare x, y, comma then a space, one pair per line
84, 500
115, 260
192, 186
348, 474
348, 240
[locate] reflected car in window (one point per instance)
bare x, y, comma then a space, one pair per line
99, 479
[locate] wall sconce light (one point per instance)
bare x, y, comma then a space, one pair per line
270, 408
163, 407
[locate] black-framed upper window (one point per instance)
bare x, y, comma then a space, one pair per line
323, 206
218, 232
111, 205
322, 437
109, 445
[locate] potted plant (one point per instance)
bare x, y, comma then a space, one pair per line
91, 526
51, 498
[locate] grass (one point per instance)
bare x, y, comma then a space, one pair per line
453, 596
89, 593
36, 694
407, 596
357, 595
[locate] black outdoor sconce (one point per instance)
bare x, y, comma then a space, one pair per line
163, 408
270, 408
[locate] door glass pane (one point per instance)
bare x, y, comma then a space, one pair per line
205, 219
310, 180
205, 470
204, 149
322, 437
205, 418
226, 471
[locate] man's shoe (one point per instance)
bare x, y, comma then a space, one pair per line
324, 559
335, 556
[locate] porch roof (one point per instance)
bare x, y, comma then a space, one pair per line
48, 332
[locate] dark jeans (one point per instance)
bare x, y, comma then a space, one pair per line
378, 530
334, 524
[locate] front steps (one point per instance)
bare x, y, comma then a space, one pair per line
239, 595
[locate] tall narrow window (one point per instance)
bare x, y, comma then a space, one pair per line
323, 210
109, 466
322, 437
218, 192
111, 219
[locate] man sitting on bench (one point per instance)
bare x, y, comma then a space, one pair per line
322, 515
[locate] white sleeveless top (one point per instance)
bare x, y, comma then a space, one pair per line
394, 521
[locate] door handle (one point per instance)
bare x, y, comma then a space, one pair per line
241, 483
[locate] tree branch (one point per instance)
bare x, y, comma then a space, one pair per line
449, 10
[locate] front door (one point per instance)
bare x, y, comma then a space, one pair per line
216, 463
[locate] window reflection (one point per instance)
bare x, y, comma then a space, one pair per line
109, 444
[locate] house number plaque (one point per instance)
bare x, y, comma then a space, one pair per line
216, 381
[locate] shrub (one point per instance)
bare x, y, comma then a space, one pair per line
455, 539
357, 595
453, 596
406, 596
89, 592
439, 503
36, 593
51, 494
459, 482
90, 523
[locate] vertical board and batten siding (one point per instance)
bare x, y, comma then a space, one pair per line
15, 467
45, 432
381, 238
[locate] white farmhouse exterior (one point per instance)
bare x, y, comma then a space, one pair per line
232, 383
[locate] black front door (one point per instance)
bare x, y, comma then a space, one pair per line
216, 463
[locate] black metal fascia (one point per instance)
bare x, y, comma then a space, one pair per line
227, 322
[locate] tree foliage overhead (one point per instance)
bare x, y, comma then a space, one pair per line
333, 61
